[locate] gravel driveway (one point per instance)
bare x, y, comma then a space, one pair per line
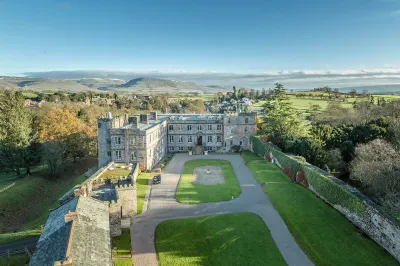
162, 206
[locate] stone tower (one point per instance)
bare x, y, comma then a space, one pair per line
104, 139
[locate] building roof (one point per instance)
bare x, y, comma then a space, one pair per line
53, 242
85, 240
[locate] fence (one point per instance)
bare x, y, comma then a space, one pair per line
359, 209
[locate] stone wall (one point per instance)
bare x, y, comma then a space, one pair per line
115, 219
126, 194
359, 209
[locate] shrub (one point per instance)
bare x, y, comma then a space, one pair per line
162, 165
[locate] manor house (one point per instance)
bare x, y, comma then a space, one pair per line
144, 139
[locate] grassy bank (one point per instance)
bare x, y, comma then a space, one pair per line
229, 239
326, 236
190, 193
26, 204
141, 189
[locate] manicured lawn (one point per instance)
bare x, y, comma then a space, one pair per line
26, 204
123, 242
116, 172
123, 262
229, 239
141, 189
327, 237
265, 171
190, 193
15, 260
249, 156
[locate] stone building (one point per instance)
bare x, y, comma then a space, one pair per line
146, 138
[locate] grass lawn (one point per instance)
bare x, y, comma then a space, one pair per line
326, 236
123, 242
9, 237
190, 193
116, 172
26, 204
249, 156
264, 171
15, 260
141, 189
123, 262
229, 239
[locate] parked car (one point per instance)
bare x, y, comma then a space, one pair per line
157, 179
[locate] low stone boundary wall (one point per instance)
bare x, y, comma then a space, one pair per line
359, 209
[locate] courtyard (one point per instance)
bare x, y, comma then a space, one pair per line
207, 180
277, 224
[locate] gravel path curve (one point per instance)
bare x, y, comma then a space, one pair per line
163, 206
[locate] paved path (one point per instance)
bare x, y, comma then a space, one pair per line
163, 206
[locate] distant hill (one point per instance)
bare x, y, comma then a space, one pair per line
381, 89
137, 85
153, 85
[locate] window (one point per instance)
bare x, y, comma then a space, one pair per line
171, 127
109, 154
209, 138
219, 127
171, 138
199, 127
133, 156
190, 139
246, 120
189, 127
180, 139
229, 120
99, 125
171, 148
209, 148
180, 148
150, 153
117, 140
118, 155
132, 140
149, 139
241, 143
209, 127
245, 129
219, 138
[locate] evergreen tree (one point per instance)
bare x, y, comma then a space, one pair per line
15, 131
281, 120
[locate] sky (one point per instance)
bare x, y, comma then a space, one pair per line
207, 36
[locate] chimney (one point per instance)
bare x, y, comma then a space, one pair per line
153, 116
133, 120
71, 216
144, 118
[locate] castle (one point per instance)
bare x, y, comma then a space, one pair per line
144, 139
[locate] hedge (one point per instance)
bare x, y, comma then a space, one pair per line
322, 185
259, 147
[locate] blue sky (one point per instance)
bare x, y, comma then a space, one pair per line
199, 36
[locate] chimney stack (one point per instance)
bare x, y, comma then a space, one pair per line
71, 216
133, 120
144, 118
153, 116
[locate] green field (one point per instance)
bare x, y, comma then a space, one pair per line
326, 236
229, 239
26, 203
190, 193
122, 247
141, 189
304, 103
